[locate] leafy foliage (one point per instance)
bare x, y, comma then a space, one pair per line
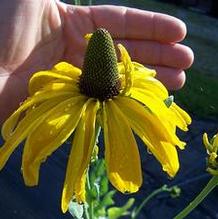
100, 199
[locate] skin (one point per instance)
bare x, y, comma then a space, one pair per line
34, 35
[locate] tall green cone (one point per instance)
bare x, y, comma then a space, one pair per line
100, 78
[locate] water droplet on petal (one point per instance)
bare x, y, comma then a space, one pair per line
148, 151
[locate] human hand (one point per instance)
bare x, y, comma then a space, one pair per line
34, 35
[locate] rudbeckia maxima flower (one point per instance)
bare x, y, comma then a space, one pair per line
121, 97
212, 151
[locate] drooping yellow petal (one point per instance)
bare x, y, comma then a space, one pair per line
152, 85
59, 86
144, 124
180, 117
121, 152
128, 68
49, 135
151, 101
215, 141
64, 72
138, 70
24, 127
209, 147
80, 188
80, 155
141, 70
131, 70
170, 162
134, 111
40, 79
67, 69
158, 107
10, 124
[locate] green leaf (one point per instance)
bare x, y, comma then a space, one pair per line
103, 185
94, 191
100, 168
106, 201
76, 210
116, 212
169, 101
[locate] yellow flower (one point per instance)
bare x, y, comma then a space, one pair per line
212, 150
123, 98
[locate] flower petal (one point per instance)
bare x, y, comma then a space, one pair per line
40, 79
121, 152
59, 86
141, 70
10, 124
207, 144
159, 109
128, 69
80, 155
151, 84
67, 69
24, 127
181, 118
63, 72
147, 126
49, 135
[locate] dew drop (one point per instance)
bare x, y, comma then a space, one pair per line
148, 151
66, 109
50, 132
68, 142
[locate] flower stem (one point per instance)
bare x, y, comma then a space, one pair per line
89, 209
135, 213
90, 203
86, 211
207, 189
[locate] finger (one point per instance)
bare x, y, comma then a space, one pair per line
131, 23
154, 53
172, 78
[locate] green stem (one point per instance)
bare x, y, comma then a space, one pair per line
155, 192
90, 203
207, 189
89, 213
86, 211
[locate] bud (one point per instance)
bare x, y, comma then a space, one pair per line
212, 149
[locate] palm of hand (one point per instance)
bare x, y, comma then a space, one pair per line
44, 33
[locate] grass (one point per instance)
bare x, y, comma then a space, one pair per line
199, 95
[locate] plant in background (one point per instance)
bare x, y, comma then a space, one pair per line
212, 168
